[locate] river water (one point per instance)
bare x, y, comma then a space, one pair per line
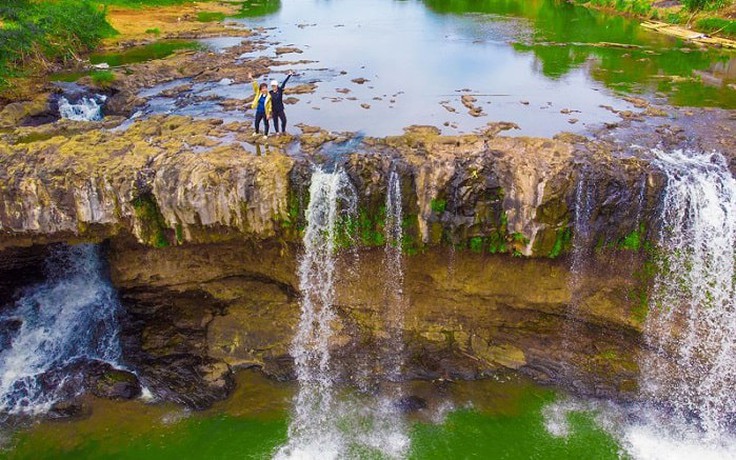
546, 66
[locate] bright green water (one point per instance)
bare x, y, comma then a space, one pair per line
505, 422
156, 50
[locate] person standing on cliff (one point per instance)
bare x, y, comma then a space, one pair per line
263, 105
277, 100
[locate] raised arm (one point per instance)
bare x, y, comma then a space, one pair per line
283, 85
255, 84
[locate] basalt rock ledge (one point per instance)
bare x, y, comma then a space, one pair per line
201, 227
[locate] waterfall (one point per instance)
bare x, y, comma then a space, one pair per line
327, 423
387, 431
393, 353
579, 264
313, 431
687, 406
582, 244
691, 328
86, 109
54, 326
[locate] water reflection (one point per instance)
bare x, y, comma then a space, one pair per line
617, 52
258, 8
544, 65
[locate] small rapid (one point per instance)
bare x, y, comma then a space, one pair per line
85, 109
53, 328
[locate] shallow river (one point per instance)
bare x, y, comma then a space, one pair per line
541, 64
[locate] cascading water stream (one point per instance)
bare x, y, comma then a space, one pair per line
691, 328
327, 423
687, 407
313, 431
54, 327
393, 353
581, 248
579, 261
387, 431
86, 109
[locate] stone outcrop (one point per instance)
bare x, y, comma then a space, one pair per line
468, 315
202, 227
174, 180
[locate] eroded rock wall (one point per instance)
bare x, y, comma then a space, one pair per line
174, 180
467, 315
203, 236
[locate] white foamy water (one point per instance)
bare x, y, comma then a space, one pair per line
59, 323
327, 423
691, 327
313, 431
687, 406
642, 431
86, 109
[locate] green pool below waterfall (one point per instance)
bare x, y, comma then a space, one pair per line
483, 419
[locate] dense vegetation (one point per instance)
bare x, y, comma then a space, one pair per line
647, 6
704, 15
46, 32
142, 3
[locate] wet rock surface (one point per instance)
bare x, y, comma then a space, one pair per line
202, 225
221, 306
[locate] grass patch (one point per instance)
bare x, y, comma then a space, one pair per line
153, 226
136, 4
68, 76
102, 78
717, 26
157, 50
36, 33
210, 16
633, 241
154, 31
563, 242
438, 205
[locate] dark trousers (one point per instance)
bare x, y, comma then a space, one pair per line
279, 115
261, 116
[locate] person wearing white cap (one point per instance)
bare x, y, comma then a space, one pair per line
277, 103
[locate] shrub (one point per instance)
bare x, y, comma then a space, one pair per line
697, 5
48, 31
717, 25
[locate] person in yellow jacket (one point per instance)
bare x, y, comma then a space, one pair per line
262, 105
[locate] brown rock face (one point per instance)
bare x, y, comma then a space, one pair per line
202, 238
467, 315
173, 180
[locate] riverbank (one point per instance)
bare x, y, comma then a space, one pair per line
716, 19
34, 54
